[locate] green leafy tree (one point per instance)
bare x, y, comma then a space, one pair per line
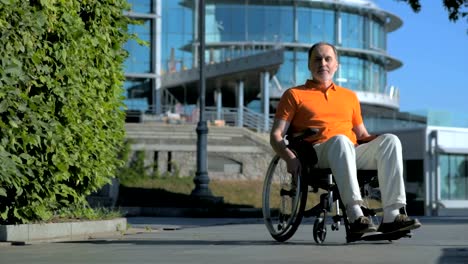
455, 8
61, 110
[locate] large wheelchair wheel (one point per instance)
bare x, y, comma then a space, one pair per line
284, 200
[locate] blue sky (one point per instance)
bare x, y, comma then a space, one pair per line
434, 52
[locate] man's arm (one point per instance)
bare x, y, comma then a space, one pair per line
278, 131
360, 131
362, 135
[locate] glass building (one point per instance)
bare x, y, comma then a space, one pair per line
242, 28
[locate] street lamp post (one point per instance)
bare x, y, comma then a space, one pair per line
201, 176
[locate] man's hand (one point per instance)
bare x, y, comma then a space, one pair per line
294, 166
279, 146
362, 135
366, 139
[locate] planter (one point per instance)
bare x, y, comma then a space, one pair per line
59, 231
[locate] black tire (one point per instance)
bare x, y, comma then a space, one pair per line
283, 205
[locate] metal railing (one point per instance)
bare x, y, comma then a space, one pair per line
251, 119
228, 114
256, 121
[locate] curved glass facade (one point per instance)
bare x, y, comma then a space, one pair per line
239, 24
239, 28
244, 27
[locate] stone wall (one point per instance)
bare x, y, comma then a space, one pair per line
183, 163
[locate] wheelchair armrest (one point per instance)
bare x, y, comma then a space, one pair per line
302, 135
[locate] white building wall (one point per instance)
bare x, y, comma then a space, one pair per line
427, 144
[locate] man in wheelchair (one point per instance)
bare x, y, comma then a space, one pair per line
335, 113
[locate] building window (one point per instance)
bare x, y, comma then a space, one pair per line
302, 68
285, 73
269, 23
315, 25
376, 77
140, 6
351, 73
139, 59
377, 38
279, 24
352, 30
453, 176
177, 36
225, 23
137, 94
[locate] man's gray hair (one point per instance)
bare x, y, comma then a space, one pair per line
322, 43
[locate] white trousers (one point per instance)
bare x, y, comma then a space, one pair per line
383, 153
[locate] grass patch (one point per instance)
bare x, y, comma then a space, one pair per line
245, 192
182, 185
170, 191
82, 213
175, 191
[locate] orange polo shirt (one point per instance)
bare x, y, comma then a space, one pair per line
334, 111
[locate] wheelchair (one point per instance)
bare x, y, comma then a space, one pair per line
284, 201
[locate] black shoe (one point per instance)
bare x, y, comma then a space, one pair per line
362, 225
401, 223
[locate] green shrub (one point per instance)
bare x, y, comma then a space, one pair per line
61, 110
134, 167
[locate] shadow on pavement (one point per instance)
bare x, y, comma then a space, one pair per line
170, 242
453, 255
155, 197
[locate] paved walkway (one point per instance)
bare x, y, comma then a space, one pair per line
196, 240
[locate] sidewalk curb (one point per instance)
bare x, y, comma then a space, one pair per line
20, 234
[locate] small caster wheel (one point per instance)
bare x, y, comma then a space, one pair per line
320, 230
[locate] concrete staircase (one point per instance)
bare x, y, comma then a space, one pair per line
157, 136
177, 143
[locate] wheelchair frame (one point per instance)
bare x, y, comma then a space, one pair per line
283, 222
